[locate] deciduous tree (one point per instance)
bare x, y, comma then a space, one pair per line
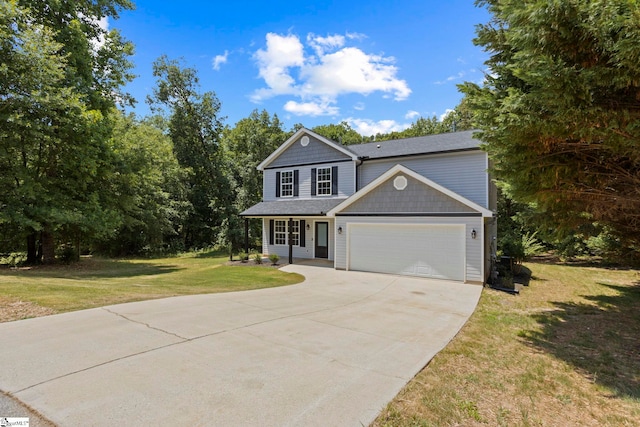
195, 128
251, 141
56, 89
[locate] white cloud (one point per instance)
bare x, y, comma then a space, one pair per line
446, 113
350, 70
359, 106
312, 109
411, 114
452, 78
319, 44
102, 23
218, 60
282, 53
356, 36
367, 127
326, 70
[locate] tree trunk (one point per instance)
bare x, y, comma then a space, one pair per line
48, 246
78, 248
32, 248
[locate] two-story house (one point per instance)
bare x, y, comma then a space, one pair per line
419, 206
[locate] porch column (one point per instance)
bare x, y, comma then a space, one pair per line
246, 235
290, 240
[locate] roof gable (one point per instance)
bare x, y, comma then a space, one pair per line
306, 147
419, 195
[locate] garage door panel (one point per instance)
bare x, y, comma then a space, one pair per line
435, 251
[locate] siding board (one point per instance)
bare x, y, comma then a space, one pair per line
464, 173
346, 186
306, 251
315, 151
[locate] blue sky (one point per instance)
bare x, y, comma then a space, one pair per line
376, 64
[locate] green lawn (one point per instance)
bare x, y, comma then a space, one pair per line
566, 351
95, 282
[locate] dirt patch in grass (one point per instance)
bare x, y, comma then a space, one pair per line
565, 351
11, 310
252, 263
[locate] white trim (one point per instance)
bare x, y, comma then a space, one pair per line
318, 181
483, 243
487, 183
399, 168
286, 233
293, 182
313, 239
294, 138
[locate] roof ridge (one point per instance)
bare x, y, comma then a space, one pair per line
433, 135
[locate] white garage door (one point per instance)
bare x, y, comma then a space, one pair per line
435, 251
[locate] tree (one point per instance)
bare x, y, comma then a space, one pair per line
560, 108
251, 141
55, 93
195, 128
341, 133
148, 188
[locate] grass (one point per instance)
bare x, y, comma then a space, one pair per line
566, 351
95, 282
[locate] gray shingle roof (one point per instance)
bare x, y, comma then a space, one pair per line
297, 207
429, 144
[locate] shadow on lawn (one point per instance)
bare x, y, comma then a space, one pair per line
601, 340
96, 269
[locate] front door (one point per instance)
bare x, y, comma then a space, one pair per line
322, 240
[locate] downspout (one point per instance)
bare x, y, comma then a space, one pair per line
359, 162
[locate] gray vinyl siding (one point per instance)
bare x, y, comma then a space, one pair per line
417, 197
298, 251
315, 152
473, 247
463, 173
346, 184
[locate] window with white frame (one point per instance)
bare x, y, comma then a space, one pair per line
295, 233
286, 184
280, 232
323, 181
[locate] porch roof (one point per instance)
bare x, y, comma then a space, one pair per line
295, 207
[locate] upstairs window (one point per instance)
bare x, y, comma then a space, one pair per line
323, 182
286, 184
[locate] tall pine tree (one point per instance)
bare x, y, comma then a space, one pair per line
560, 108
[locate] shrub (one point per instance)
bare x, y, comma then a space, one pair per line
274, 258
14, 259
244, 257
257, 257
520, 247
67, 254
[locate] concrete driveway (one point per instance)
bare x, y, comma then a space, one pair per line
333, 350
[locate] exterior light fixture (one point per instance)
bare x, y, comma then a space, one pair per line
308, 227
474, 234
339, 230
